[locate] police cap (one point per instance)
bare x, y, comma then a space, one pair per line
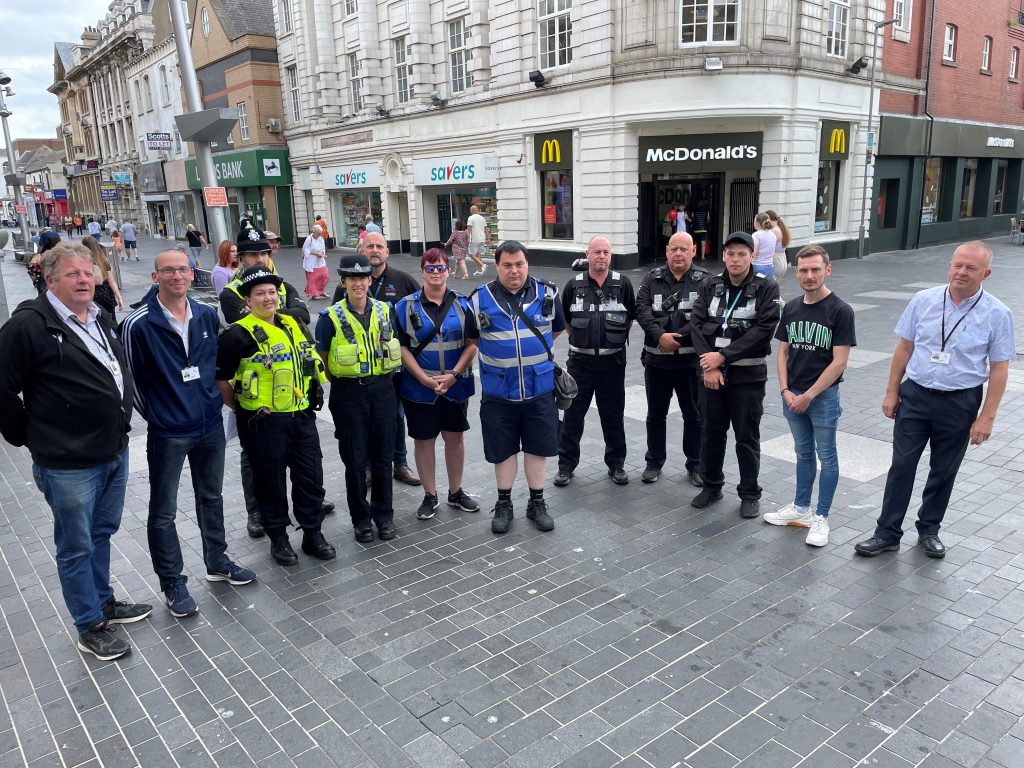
258, 275
355, 265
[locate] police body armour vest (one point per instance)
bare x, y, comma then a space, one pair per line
356, 352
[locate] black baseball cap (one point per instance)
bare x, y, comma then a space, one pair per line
740, 237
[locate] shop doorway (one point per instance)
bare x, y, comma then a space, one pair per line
699, 198
452, 207
158, 219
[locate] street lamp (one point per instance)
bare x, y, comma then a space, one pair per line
867, 150
12, 177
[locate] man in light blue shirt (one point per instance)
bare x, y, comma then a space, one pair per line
953, 340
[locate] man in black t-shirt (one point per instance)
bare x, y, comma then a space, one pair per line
816, 335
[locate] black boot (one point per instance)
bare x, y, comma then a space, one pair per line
280, 548
315, 545
253, 526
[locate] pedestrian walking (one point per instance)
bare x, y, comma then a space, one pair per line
314, 263
107, 294
764, 245
196, 243
131, 244
479, 239
458, 241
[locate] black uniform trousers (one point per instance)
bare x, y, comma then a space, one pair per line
925, 416
364, 423
278, 444
739, 405
660, 382
603, 377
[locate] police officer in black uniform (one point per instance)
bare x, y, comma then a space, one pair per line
733, 323
663, 309
599, 307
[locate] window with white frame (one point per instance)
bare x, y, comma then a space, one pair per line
292, 80
554, 28
459, 55
230, 140
353, 82
838, 33
286, 16
351, 6
204, 21
403, 69
899, 12
709, 21
949, 43
177, 141
184, 12
165, 85
1014, 59
243, 121
986, 54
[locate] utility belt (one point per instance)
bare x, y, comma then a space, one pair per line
750, 361
363, 381
594, 352
680, 351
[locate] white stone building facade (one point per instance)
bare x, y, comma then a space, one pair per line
412, 110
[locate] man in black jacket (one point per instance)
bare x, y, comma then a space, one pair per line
74, 411
733, 321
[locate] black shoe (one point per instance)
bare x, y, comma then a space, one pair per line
931, 545
315, 545
875, 546
695, 479
705, 498
462, 500
502, 517
537, 511
327, 507
387, 531
121, 612
427, 507
651, 474
103, 643
618, 476
563, 477
253, 526
365, 535
281, 549
750, 508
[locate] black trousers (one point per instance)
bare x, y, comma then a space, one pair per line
739, 405
364, 423
279, 444
605, 378
660, 384
925, 416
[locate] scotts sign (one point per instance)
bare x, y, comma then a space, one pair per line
700, 153
835, 140
461, 169
351, 176
252, 168
553, 151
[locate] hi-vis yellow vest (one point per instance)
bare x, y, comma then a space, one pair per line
274, 377
356, 352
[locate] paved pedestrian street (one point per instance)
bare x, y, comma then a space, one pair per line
641, 632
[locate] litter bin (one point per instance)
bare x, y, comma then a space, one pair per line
329, 243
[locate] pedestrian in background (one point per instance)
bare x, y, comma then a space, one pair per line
764, 245
458, 241
782, 241
479, 238
196, 243
227, 264
107, 294
314, 263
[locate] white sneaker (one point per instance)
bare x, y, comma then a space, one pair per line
483, 269
477, 273
790, 515
818, 535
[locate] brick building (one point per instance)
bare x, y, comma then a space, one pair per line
952, 113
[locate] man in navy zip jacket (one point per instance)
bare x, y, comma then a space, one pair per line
171, 346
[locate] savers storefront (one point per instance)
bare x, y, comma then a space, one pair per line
449, 186
353, 191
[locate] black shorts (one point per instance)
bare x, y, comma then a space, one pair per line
427, 420
508, 427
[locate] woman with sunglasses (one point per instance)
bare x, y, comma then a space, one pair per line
438, 333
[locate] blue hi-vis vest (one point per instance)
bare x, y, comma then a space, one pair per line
514, 364
437, 357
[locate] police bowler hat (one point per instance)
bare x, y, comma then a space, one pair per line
258, 275
355, 265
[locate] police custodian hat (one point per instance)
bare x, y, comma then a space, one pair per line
355, 265
258, 275
251, 240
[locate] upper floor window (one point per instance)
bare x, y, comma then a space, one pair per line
708, 21
555, 32
292, 77
204, 22
899, 12
838, 33
243, 121
165, 85
902, 11
177, 141
403, 88
351, 6
184, 12
458, 55
353, 82
986, 54
147, 93
1014, 61
286, 16
949, 43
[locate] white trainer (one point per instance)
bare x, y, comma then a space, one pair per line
818, 535
790, 515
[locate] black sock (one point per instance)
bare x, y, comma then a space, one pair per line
504, 494
536, 494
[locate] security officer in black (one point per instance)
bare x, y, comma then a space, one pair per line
599, 307
663, 309
733, 323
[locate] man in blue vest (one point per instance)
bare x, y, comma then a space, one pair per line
517, 376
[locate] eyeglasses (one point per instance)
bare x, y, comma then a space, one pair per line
171, 271
435, 269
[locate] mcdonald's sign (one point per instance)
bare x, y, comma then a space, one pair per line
834, 140
553, 151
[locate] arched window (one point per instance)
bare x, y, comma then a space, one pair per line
205, 21
165, 85
139, 106
147, 92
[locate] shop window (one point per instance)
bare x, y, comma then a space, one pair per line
556, 204
986, 54
967, 188
555, 32
708, 21
826, 201
353, 83
286, 16
888, 205
459, 55
403, 69
935, 202
949, 44
838, 32
1000, 198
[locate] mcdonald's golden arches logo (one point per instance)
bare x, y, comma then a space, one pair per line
837, 141
551, 152
833, 142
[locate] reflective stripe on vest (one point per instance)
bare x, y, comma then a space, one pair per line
273, 376
436, 358
356, 352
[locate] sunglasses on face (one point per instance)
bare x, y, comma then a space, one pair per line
435, 269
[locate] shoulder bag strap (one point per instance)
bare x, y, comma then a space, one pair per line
518, 310
437, 326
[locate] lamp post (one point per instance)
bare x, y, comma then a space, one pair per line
5, 82
867, 150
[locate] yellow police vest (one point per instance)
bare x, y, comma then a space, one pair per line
279, 374
356, 352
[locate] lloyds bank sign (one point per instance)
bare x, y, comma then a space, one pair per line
700, 153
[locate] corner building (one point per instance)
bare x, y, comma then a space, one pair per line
562, 119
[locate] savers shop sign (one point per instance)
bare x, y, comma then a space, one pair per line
460, 169
700, 153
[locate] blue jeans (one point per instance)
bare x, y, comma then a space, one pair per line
86, 505
814, 430
166, 456
768, 270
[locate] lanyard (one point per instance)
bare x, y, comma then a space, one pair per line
732, 307
945, 337
376, 288
101, 341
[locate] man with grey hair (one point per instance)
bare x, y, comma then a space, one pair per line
66, 394
371, 226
